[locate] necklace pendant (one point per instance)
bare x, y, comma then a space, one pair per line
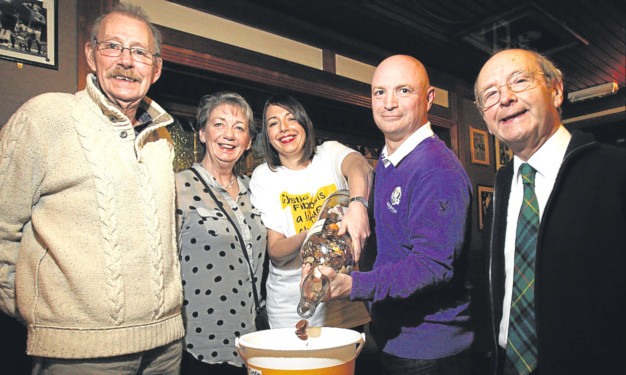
232, 181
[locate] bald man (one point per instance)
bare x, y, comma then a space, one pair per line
417, 289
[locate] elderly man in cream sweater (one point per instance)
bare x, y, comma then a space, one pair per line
87, 234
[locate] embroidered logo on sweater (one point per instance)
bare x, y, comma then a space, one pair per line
396, 195
395, 199
443, 207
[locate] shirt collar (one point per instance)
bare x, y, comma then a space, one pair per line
548, 158
422, 133
144, 118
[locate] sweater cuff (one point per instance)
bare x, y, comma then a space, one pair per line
363, 286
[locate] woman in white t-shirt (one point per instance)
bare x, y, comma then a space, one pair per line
289, 189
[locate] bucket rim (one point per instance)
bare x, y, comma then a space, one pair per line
349, 337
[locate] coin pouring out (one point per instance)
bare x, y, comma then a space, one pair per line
303, 331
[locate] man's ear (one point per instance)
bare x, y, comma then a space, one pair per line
431, 97
158, 68
557, 93
90, 57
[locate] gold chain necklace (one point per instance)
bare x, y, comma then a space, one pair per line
232, 181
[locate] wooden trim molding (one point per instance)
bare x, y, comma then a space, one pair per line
253, 73
329, 61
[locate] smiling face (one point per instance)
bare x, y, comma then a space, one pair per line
124, 81
285, 134
226, 135
401, 97
523, 120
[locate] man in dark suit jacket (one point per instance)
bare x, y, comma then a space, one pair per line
579, 278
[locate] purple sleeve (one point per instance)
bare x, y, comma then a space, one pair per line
424, 258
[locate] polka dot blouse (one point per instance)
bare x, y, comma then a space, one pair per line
218, 304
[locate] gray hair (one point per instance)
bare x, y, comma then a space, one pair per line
209, 103
551, 72
132, 11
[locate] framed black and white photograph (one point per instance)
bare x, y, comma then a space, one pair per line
503, 153
485, 197
479, 146
28, 32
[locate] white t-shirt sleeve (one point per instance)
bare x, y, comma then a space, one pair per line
262, 194
335, 152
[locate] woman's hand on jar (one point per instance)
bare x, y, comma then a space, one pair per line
356, 223
360, 175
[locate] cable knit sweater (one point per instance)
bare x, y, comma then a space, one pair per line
87, 233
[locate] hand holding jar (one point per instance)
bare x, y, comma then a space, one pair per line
325, 247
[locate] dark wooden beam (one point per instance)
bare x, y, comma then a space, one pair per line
192, 50
329, 61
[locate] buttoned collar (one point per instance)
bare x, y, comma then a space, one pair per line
422, 133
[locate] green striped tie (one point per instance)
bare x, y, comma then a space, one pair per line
521, 349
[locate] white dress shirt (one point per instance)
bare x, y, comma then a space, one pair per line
547, 162
423, 132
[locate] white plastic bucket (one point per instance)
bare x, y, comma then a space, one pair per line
329, 351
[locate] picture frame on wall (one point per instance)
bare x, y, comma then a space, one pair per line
479, 146
485, 197
28, 32
503, 153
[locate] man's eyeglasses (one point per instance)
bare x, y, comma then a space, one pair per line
114, 49
517, 82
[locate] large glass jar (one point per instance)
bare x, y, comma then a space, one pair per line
323, 246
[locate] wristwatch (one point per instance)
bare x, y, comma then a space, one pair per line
360, 199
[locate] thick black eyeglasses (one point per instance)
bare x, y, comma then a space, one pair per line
517, 82
114, 49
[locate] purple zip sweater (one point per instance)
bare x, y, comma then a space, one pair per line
418, 286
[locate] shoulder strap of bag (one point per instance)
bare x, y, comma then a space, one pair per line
241, 243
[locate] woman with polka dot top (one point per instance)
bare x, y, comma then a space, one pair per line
219, 303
